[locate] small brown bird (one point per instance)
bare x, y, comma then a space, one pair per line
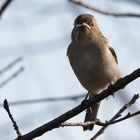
93, 60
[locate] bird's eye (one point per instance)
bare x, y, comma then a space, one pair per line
92, 24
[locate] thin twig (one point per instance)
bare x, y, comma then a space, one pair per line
6, 107
129, 115
14, 75
83, 124
98, 122
45, 100
104, 12
10, 65
4, 6
117, 115
55, 123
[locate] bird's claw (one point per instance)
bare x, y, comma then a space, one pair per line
110, 86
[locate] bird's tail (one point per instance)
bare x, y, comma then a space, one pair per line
91, 114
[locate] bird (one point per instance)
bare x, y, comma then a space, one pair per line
93, 61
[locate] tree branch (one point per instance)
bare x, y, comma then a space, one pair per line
15, 74
83, 124
98, 122
4, 6
104, 12
6, 107
129, 115
10, 65
75, 111
53, 99
117, 115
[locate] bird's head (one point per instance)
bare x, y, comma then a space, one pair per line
84, 26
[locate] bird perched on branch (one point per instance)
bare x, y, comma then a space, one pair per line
92, 59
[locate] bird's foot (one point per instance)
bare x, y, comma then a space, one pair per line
113, 95
111, 86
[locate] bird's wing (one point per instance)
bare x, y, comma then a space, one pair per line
69, 49
113, 52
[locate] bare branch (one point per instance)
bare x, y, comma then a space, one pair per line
6, 107
129, 115
10, 65
51, 99
14, 75
83, 124
104, 12
117, 115
4, 6
75, 111
98, 122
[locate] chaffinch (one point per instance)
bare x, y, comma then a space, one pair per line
92, 59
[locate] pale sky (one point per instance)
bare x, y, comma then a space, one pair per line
39, 31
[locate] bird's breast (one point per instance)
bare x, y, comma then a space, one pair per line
91, 67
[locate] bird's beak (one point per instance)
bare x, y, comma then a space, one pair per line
83, 24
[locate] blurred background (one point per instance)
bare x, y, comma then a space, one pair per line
39, 31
